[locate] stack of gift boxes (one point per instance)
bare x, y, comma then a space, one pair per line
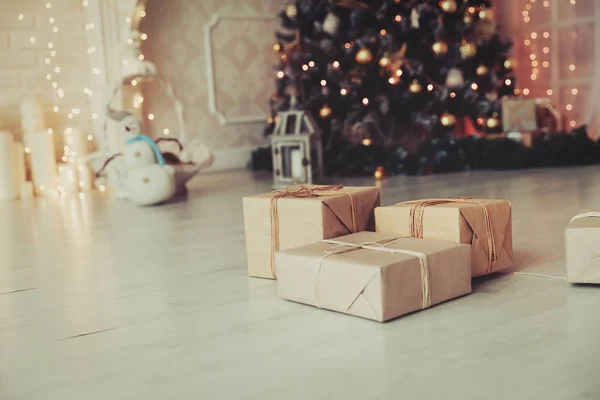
335, 248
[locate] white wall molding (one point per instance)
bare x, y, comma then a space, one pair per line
210, 67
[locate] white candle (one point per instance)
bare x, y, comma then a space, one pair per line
19, 170
40, 147
8, 189
76, 142
26, 191
296, 163
68, 178
86, 177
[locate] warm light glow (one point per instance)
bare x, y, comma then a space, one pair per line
56, 109
534, 63
50, 131
474, 86
367, 141
507, 82
572, 123
569, 107
55, 29
21, 17
574, 91
304, 67
545, 64
143, 14
48, 5
57, 69
392, 80
347, 45
70, 116
48, 77
573, 2
323, 82
572, 67
546, 4
151, 117
549, 92
27, 150
47, 60
336, 64
535, 71
527, 42
532, 56
130, 41
166, 131
53, 53
81, 195
51, 20
399, 72
452, 95
144, 36
32, 39
546, 50
311, 64
280, 74
398, 18
526, 19
430, 87
102, 189
525, 91
50, 45
343, 92
546, 35
94, 116
533, 35
90, 138
91, 50
365, 101
96, 71
382, 32
533, 77
141, 57
133, 82
127, 20
471, 10
54, 85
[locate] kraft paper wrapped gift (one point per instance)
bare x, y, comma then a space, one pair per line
374, 275
583, 249
288, 218
484, 224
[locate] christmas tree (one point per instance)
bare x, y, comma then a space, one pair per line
387, 73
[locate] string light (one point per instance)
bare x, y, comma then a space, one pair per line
383, 32
323, 82
90, 138
335, 64
32, 39
572, 67
574, 91
304, 67
144, 36
392, 80
365, 101
525, 91
133, 82
166, 131
430, 87
21, 17
280, 75
27, 150
343, 92
143, 14
399, 72
452, 95
473, 86
549, 92
151, 117
546, 35
398, 18
311, 64
569, 107
572, 123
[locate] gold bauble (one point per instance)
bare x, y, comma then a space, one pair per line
379, 173
492, 122
482, 70
440, 47
510, 63
276, 47
486, 14
325, 111
415, 87
448, 6
447, 119
291, 11
364, 56
385, 61
468, 49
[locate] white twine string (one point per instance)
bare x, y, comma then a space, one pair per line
591, 214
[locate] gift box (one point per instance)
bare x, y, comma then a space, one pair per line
484, 224
583, 249
374, 275
292, 217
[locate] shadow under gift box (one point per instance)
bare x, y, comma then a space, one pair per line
459, 221
374, 282
582, 239
303, 220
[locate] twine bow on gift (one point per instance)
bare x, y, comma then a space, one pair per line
302, 192
418, 211
344, 247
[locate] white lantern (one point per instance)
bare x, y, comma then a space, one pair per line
296, 149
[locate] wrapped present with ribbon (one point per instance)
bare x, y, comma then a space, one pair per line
305, 214
582, 241
484, 224
374, 275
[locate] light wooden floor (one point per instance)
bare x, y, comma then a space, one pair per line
103, 300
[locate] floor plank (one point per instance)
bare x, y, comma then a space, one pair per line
101, 299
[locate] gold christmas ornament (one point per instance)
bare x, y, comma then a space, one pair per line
447, 119
276, 48
325, 111
291, 11
379, 173
415, 87
440, 47
486, 14
510, 63
385, 61
468, 49
492, 122
364, 56
448, 6
482, 70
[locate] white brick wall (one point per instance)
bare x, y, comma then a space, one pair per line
22, 67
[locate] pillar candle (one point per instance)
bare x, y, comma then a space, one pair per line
69, 183
40, 146
8, 189
26, 191
86, 177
